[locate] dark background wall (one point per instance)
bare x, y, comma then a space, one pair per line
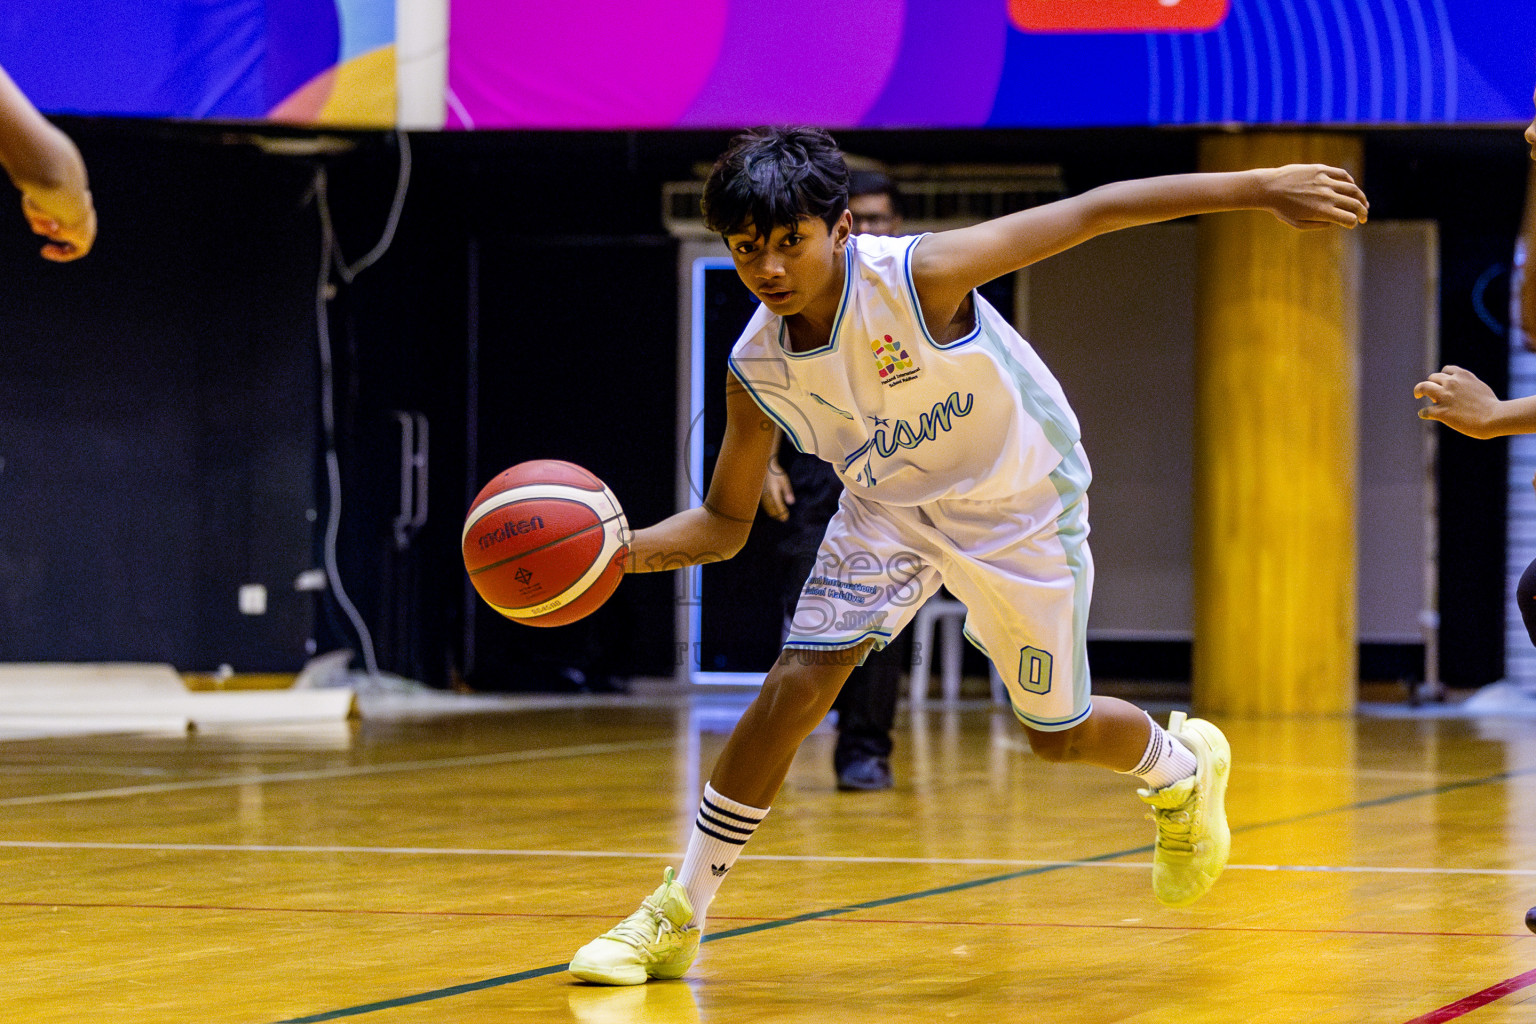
159, 401
157, 415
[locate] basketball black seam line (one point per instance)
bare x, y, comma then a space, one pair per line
541, 547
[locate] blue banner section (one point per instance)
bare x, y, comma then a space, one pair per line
694, 63
1285, 61
215, 59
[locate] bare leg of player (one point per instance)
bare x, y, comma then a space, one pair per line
661, 939
795, 697
1114, 736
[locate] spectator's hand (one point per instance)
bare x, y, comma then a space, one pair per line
1315, 196
66, 217
778, 495
1460, 400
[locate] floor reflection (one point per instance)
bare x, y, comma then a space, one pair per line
657, 1002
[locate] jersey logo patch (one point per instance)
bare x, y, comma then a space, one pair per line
896, 366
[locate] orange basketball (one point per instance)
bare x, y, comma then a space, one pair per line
543, 543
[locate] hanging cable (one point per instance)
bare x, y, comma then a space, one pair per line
330, 254
402, 186
328, 429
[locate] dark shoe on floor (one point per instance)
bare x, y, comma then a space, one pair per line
865, 773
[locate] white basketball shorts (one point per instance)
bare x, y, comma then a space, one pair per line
1020, 565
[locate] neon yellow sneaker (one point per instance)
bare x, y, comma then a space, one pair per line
656, 941
1193, 841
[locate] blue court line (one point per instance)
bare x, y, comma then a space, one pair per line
817, 915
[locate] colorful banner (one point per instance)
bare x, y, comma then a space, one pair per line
606, 64
302, 61
988, 63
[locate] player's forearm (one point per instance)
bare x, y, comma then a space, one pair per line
35, 154
691, 537
1512, 416
48, 166
1125, 204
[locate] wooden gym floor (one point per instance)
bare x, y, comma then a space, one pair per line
444, 870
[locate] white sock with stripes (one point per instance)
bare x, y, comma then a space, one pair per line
1166, 760
719, 832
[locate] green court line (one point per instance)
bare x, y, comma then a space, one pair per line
424, 997
817, 915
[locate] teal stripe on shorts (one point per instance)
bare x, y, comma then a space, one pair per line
1071, 478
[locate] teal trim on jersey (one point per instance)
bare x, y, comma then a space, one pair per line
917, 305
841, 412
788, 431
1039, 406
850, 460
837, 323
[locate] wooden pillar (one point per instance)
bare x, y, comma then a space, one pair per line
1275, 448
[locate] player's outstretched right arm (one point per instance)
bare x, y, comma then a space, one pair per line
46, 167
1459, 399
716, 530
946, 265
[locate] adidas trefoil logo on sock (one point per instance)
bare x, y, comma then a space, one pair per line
719, 869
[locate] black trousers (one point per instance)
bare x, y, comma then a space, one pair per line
1525, 599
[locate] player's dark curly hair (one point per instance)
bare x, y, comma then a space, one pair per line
772, 177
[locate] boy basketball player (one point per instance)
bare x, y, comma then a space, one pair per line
961, 464
46, 167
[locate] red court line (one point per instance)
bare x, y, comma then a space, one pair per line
295, 910
1116, 926
1177, 928
1477, 1000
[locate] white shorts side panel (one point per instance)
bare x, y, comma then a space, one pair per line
1021, 565
1025, 574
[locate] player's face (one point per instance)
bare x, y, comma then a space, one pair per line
795, 267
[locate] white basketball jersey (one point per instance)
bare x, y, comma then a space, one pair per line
903, 419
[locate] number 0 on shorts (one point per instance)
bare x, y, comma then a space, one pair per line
1034, 670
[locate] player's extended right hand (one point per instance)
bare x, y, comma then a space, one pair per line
1315, 196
